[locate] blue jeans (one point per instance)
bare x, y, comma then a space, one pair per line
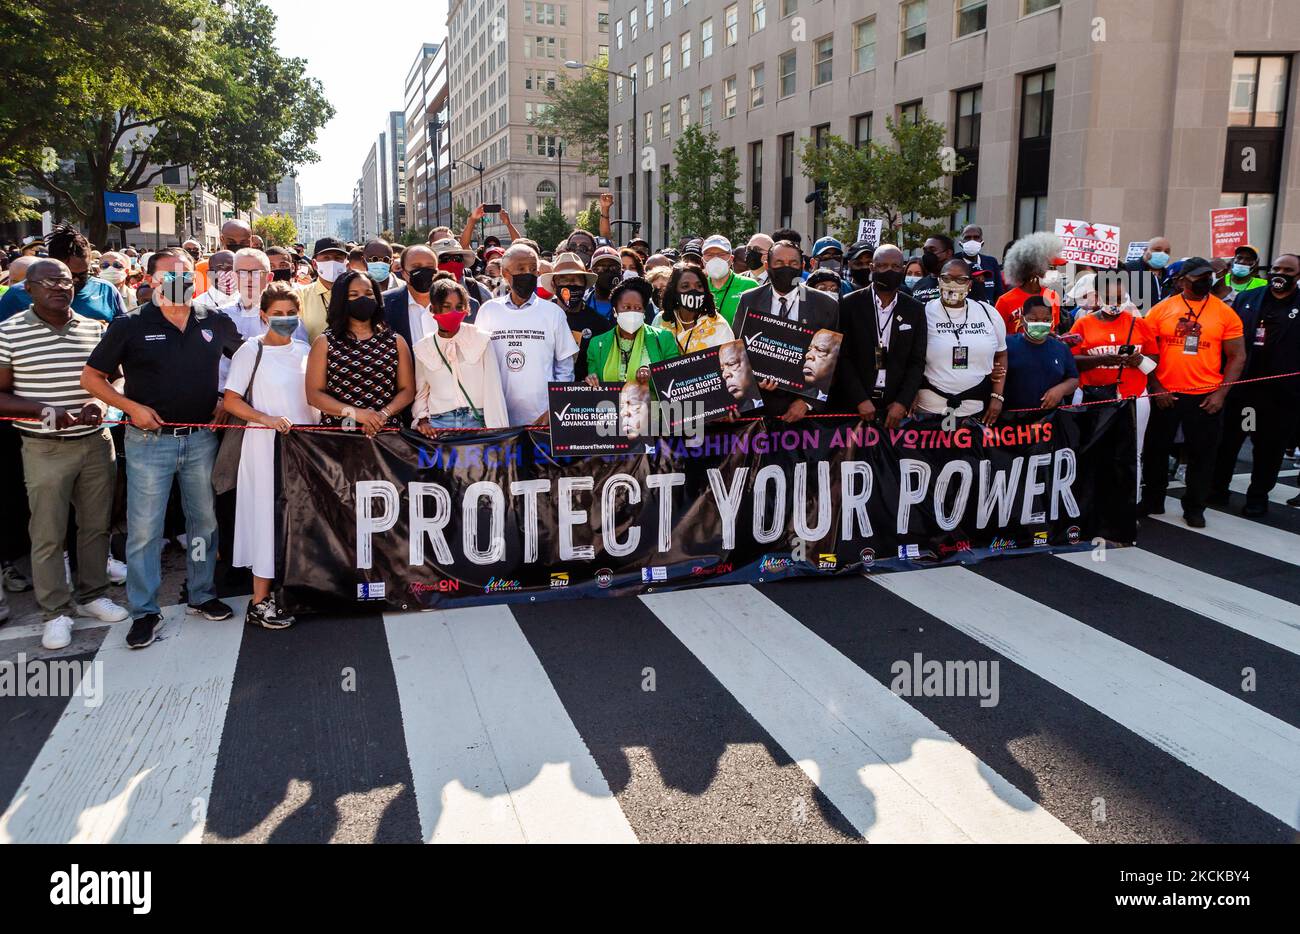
153, 459
463, 417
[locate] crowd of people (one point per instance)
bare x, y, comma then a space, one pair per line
452, 334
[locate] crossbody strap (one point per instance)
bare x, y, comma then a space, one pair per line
478, 413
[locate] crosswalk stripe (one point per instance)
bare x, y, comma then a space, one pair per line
1241, 483
1247, 751
137, 768
494, 755
1253, 536
1260, 615
888, 769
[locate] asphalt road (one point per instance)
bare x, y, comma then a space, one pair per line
1150, 697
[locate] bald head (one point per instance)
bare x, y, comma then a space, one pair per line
221, 261
235, 235
886, 252
19, 267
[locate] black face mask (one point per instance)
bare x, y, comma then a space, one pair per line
861, 276
888, 279
691, 301
931, 264
606, 278
1281, 282
421, 279
783, 277
524, 284
281, 275
753, 259
362, 309
1200, 287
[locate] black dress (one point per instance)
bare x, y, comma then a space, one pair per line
362, 373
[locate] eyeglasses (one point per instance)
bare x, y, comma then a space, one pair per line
955, 280
112, 265
60, 282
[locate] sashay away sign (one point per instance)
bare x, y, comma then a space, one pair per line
403, 523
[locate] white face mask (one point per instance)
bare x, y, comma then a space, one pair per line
630, 321
972, 247
330, 269
112, 274
717, 268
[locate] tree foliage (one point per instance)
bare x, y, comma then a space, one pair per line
589, 220
106, 96
578, 113
903, 184
276, 229
548, 226
700, 191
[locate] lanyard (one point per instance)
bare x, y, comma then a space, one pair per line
956, 331
683, 347
1195, 318
883, 323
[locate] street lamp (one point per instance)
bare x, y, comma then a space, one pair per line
635, 115
482, 223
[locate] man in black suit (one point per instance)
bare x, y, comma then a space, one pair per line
880, 377
406, 308
786, 296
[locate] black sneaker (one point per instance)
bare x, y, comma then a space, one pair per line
1253, 510
1195, 519
143, 631
213, 609
268, 615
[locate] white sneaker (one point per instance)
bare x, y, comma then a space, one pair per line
58, 633
116, 570
103, 609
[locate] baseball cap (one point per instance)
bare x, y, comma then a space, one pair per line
605, 252
1193, 265
716, 242
693, 247
858, 248
328, 243
826, 243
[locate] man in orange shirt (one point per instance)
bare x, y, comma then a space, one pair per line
1196, 343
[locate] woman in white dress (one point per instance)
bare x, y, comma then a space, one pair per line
276, 386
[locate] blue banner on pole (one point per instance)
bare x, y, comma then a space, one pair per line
122, 208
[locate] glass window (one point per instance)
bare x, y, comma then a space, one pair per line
649, 127
785, 66
823, 59
649, 71
1037, 92
731, 17
1258, 93
649, 14
706, 38
1031, 214
788, 7
972, 16
686, 50
910, 112
756, 79
668, 8
633, 22
666, 60
706, 106
729, 97
911, 22
684, 111
864, 45
861, 130
758, 15
969, 106
1034, 6
602, 22
756, 178
665, 120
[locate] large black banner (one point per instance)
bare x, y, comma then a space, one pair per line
399, 522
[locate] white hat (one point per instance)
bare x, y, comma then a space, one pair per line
717, 241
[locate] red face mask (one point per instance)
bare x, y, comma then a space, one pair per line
449, 321
455, 268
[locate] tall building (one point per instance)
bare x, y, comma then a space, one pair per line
504, 57
1144, 115
370, 214
285, 198
428, 140
395, 183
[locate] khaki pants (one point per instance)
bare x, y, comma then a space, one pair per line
60, 474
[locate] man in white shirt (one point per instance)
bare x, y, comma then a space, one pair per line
222, 282
756, 257
530, 337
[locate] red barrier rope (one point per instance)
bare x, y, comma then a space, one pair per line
209, 425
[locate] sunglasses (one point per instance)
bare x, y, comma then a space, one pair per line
113, 265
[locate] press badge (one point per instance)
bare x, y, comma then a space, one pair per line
960, 357
1191, 337
1260, 334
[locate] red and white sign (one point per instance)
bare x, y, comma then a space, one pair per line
1229, 229
1089, 244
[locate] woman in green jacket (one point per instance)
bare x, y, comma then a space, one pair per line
626, 352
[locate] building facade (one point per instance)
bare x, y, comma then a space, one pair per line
285, 198
395, 184
504, 56
428, 139
1144, 115
370, 212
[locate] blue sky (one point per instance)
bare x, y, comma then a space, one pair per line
361, 54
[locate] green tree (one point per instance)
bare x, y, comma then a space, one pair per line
459, 218
548, 226
413, 235
276, 229
700, 192
589, 220
142, 86
578, 113
903, 184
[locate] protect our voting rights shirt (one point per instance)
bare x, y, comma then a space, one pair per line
173, 372
1032, 369
959, 351
533, 347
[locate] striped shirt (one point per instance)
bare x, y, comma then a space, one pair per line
47, 363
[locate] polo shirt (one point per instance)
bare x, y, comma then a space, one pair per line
1032, 369
47, 361
1196, 373
173, 372
96, 299
315, 308
727, 298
